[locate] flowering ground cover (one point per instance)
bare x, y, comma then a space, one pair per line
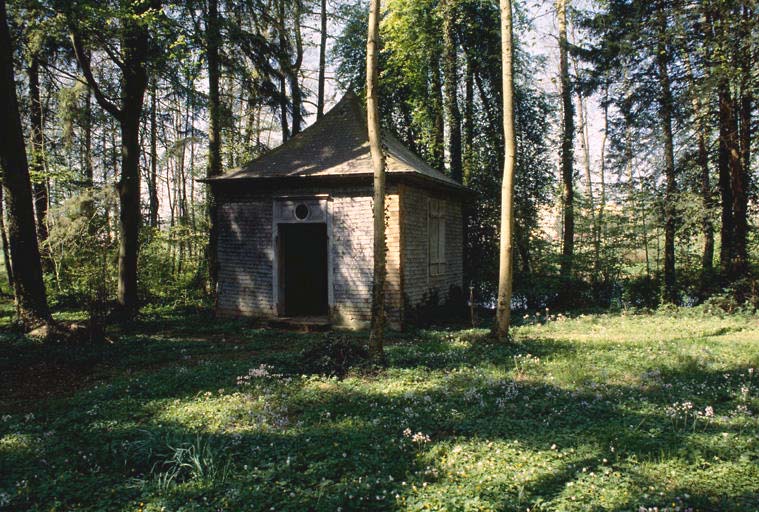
599, 412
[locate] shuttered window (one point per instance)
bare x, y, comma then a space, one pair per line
436, 227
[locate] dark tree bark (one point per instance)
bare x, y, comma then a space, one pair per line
29, 288
322, 61
669, 293
134, 81
214, 136
726, 136
36, 160
450, 71
567, 146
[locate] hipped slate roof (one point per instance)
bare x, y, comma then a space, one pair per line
336, 145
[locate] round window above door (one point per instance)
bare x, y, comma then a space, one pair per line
302, 212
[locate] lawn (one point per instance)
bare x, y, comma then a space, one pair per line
596, 412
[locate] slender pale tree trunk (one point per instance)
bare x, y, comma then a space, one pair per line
567, 145
322, 61
506, 264
31, 299
376, 338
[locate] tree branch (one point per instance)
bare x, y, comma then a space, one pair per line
84, 62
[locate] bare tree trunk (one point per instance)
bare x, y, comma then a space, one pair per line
567, 145
322, 61
214, 138
726, 136
436, 92
468, 121
376, 338
153, 179
702, 134
31, 299
450, 71
599, 219
4, 236
89, 178
669, 294
36, 162
295, 89
506, 264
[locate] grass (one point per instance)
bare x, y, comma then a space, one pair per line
597, 412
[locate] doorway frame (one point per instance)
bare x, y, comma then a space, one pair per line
283, 212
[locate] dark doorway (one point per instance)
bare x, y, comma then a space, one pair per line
303, 260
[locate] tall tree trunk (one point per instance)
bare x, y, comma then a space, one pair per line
134, 58
153, 178
669, 293
284, 68
726, 136
4, 237
741, 157
506, 263
29, 288
436, 92
567, 145
36, 161
89, 178
214, 137
450, 71
322, 61
376, 337
702, 134
468, 121
295, 88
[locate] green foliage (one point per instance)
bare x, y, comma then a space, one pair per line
82, 246
577, 414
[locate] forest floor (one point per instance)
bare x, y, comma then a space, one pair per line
594, 412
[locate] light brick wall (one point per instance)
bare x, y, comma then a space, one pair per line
417, 281
246, 254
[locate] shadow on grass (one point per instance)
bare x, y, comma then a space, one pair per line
114, 445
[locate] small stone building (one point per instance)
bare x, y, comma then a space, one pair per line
296, 234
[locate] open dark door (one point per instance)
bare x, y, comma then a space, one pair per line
304, 268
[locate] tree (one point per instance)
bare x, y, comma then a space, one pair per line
214, 133
665, 115
378, 163
132, 60
322, 60
506, 265
450, 71
567, 145
29, 288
